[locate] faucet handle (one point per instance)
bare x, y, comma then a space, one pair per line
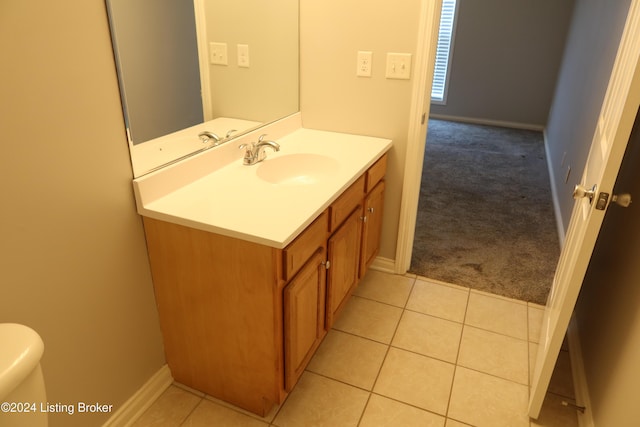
261, 137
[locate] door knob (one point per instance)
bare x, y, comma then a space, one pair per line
580, 192
623, 200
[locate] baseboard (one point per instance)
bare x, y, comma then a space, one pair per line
131, 410
476, 121
585, 419
384, 264
554, 193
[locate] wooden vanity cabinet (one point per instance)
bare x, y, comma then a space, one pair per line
372, 227
372, 213
240, 320
343, 248
304, 317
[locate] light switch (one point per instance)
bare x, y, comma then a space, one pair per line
218, 53
243, 55
398, 66
364, 63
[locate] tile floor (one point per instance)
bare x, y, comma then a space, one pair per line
405, 352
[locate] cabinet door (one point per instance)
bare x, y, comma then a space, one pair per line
373, 205
304, 316
344, 256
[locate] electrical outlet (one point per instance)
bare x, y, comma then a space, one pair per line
398, 66
218, 53
364, 63
243, 55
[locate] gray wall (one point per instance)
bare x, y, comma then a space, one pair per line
505, 60
73, 261
157, 57
588, 60
608, 309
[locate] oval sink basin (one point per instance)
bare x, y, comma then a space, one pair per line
297, 169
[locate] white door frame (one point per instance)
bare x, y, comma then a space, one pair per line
417, 135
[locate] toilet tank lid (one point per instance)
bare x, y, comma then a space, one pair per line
20, 351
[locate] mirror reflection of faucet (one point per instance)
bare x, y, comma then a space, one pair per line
254, 151
206, 137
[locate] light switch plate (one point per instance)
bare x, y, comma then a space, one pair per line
218, 54
243, 55
398, 66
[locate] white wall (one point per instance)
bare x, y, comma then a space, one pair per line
592, 44
333, 98
73, 262
505, 60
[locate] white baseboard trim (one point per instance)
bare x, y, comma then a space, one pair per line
579, 377
500, 123
384, 264
131, 410
554, 193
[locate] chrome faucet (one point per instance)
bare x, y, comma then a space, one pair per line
254, 152
207, 136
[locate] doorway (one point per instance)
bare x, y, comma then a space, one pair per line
480, 177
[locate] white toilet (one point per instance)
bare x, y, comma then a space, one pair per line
21, 382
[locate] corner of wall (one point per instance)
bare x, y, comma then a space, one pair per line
557, 208
133, 408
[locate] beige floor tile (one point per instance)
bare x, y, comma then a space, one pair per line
320, 401
535, 322
533, 357
554, 414
447, 302
486, 401
384, 287
454, 423
266, 419
428, 335
369, 319
211, 414
495, 354
415, 379
349, 359
497, 315
383, 412
170, 409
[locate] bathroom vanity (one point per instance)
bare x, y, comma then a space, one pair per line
253, 264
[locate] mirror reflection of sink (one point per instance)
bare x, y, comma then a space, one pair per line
297, 169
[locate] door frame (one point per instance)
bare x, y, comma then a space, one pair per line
417, 135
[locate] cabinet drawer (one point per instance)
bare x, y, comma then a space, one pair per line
376, 172
304, 246
346, 203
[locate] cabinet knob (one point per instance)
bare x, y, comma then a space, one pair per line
370, 210
326, 264
363, 218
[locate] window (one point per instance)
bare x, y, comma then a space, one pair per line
443, 52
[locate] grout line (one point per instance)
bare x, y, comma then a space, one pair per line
375, 381
192, 411
455, 366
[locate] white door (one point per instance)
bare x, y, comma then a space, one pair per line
607, 150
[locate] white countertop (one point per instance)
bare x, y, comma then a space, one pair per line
233, 200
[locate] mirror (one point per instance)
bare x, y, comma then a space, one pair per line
184, 67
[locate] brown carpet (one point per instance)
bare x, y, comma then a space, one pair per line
485, 216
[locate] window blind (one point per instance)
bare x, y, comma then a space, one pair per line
443, 51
